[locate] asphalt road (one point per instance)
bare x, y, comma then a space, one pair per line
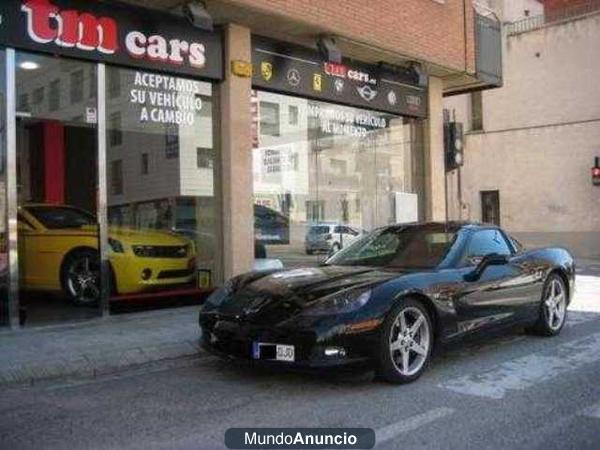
514, 391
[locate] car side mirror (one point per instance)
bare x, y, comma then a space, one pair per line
492, 259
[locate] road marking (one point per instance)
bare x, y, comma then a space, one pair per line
527, 371
412, 423
592, 411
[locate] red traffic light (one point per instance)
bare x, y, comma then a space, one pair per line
596, 172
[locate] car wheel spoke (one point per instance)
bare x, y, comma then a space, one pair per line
416, 325
405, 361
418, 348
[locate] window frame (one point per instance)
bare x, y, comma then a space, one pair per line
463, 259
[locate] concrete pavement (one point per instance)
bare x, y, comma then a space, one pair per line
515, 391
131, 341
100, 346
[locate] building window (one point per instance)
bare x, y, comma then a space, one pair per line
54, 96
76, 87
315, 210
93, 82
116, 177
293, 115
115, 133
204, 159
172, 142
145, 164
476, 111
38, 96
490, 207
338, 166
114, 86
23, 102
269, 119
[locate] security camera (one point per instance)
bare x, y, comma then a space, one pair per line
420, 73
329, 49
198, 16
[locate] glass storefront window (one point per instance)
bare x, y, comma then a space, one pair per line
4, 306
57, 188
161, 200
324, 174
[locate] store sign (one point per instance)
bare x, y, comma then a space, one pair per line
111, 33
290, 69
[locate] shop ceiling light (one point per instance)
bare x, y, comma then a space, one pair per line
29, 65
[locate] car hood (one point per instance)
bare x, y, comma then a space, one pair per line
283, 294
127, 235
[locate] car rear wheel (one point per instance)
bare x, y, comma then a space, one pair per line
81, 277
553, 308
406, 342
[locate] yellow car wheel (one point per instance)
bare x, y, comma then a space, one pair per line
80, 276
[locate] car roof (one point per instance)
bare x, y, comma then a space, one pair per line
451, 226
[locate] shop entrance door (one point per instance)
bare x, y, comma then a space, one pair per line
59, 262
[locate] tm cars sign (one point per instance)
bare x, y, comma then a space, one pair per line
291, 69
115, 34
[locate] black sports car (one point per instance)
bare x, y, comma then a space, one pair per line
389, 297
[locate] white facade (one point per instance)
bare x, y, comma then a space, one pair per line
541, 132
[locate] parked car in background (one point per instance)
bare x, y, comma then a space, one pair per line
329, 237
271, 227
58, 247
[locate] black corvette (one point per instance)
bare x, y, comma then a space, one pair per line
389, 297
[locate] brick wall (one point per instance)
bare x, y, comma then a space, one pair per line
431, 30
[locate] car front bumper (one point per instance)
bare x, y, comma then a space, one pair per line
235, 340
131, 272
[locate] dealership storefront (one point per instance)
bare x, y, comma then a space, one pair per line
110, 165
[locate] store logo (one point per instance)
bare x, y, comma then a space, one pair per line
335, 70
70, 28
367, 92
392, 98
363, 77
266, 70
293, 77
339, 85
413, 101
317, 82
46, 23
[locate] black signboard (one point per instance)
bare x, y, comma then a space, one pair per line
290, 69
114, 33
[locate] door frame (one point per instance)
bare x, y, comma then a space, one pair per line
12, 195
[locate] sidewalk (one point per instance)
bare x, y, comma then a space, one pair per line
98, 347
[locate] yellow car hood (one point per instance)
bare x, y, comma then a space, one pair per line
128, 236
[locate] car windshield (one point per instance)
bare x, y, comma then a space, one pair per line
55, 217
317, 230
400, 247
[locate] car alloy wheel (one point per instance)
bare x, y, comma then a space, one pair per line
555, 304
410, 341
83, 278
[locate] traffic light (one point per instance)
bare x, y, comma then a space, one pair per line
596, 172
453, 145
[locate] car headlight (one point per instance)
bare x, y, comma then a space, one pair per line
344, 302
116, 246
220, 294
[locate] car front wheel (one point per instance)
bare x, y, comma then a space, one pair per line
406, 342
81, 277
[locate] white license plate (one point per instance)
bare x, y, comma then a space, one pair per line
284, 353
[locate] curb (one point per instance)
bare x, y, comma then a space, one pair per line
94, 365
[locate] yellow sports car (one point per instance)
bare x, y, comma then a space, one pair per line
58, 251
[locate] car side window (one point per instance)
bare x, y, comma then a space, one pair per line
485, 242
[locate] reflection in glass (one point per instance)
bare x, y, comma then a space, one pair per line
161, 202
4, 307
56, 182
324, 174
